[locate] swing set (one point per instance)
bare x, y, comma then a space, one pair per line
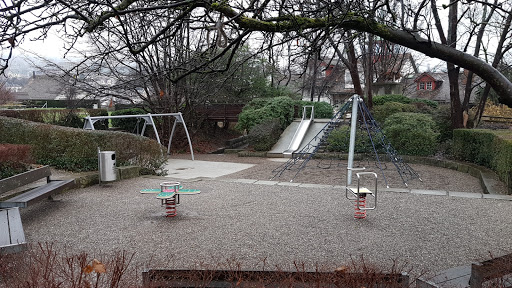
148, 121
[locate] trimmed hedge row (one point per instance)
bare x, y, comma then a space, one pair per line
61, 117
489, 148
76, 149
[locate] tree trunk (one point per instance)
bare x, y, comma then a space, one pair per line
313, 81
350, 61
369, 72
352, 67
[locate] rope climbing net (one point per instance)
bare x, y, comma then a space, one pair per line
371, 145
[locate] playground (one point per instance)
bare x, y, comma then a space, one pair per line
236, 217
290, 211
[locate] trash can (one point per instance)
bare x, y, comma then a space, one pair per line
107, 165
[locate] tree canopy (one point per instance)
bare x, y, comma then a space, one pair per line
133, 26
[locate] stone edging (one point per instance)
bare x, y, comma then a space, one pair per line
488, 178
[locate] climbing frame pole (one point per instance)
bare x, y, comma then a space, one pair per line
148, 120
352, 143
179, 119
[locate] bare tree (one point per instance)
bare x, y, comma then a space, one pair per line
6, 95
401, 22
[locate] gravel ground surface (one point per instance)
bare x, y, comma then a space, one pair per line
252, 223
334, 173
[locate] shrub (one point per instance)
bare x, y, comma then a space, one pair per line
14, 159
382, 112
61, 117
322, 109
489, 148
339, 140
381, 99
282, 108
256, 111
265, 134
76, 150
442, 117
412, 133
128, 124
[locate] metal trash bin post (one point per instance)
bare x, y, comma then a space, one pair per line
107, 165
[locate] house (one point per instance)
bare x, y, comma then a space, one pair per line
333, 82
328, 81
392, 68
42, 87
435, 86
51, 91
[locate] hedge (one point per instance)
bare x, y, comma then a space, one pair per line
128, 124
382, 112
412, 133
489, 148
257, 110
381, 99
76, 149
61, 117
281, 108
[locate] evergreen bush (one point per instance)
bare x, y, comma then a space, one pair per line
412, 133
282, 108
382, 112
14, 159
489, 148
381, 99
264, 135
128, 124
322, 109
339, 140
256, 111
62, 117
442, 117
76, 149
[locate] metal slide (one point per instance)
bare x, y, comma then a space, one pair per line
301, 131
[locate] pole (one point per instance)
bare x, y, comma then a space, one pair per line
352, 143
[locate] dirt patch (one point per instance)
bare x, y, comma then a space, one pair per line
334, 173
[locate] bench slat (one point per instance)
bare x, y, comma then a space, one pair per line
24, 178
50, 188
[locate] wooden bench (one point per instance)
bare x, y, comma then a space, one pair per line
45, 191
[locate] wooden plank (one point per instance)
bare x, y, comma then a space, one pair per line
38, 193
23, 179
5, 239
15, 226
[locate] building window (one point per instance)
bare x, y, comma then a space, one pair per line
425, 86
